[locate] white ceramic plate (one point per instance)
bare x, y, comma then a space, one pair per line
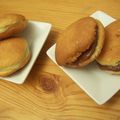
36, 34
99, 85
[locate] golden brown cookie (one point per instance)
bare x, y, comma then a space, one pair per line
11, 24
80, 43
14, 54
109, 58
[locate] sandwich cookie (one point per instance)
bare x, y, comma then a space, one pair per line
11, 24
109, 58
80, 43
14, 54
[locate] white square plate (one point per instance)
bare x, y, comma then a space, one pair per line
36, 34
99, 85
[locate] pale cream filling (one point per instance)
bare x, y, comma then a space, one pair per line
3, 29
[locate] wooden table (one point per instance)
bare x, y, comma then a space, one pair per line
48, 93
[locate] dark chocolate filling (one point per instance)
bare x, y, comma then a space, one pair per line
110, 68
88, 53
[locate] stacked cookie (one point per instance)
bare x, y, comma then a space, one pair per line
87, 40
109, 59
14, 50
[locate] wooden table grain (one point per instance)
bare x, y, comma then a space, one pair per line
48, 93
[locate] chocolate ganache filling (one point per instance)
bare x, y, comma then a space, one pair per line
88, 53
110, 68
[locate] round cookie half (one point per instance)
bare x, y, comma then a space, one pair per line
11, 24
14, 54
109, 58
80, 43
